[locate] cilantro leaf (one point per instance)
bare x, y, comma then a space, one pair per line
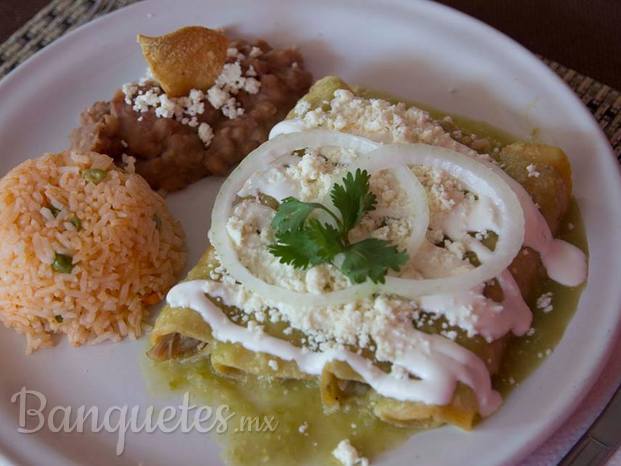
353, 198
326, 238
371, 258
303, 241
316, 243
292, 214
296, 248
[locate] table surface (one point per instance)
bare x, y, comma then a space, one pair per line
579, 34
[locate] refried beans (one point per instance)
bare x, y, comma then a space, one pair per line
169, 153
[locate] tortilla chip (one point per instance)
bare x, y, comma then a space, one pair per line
188, 58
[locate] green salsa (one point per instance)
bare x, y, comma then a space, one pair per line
524, 354
302, 431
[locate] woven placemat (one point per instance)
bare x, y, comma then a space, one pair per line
60, 16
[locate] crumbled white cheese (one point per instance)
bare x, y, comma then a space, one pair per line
255, 52
309, 180
544, 302
381, 121
232, 52
443, 191
318, 280
186, 109
191, 122
129, 89
142, 102
217, 97
303, 428
196, 104
455, 247
532, 171
301, 107
167, 108
348, 455
231, 110
251, 85
230, 79
480, 236
205, 133
273, 364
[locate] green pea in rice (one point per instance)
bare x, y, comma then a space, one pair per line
80, 257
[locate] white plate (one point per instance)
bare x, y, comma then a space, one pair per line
419, 50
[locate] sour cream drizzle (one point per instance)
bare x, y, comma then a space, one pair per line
437, 362
564, 262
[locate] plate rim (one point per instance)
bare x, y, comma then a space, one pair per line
439, 10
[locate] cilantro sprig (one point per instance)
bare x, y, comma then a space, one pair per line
304, 241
